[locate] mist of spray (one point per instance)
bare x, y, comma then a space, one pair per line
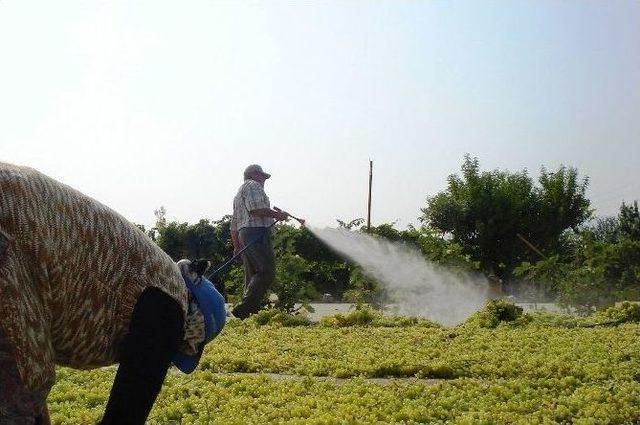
416, 286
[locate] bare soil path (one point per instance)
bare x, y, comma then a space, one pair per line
338, 381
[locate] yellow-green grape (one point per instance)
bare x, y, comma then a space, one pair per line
545, 371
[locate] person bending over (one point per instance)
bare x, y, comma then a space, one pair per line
82, 287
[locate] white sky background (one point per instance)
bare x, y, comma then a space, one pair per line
142, 104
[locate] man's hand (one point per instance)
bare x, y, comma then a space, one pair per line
281, 216
277, 215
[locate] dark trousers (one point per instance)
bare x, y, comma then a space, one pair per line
259, 269
155, 334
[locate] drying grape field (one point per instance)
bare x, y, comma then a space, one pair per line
530, 369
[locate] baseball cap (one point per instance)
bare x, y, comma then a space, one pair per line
255, 168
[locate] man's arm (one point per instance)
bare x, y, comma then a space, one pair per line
268, 212
235, 239
257, 203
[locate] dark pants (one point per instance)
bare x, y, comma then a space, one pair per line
259, 269
155, 334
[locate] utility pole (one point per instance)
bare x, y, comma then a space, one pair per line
369, 204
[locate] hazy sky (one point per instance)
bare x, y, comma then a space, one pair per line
142, 104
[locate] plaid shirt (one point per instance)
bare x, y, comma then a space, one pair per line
251, 196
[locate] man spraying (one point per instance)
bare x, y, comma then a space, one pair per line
251, 225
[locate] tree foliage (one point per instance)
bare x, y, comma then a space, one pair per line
601, 274
484, 211
629, 221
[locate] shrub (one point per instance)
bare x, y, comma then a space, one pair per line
279, 318
495, 312
364, 315
623, 313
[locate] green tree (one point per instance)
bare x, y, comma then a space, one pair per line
351, 225
205, 239
483, 212
325, 271
629, 221
171, 237
604, 229
598, 275
364, 289
560, 204
613, 229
